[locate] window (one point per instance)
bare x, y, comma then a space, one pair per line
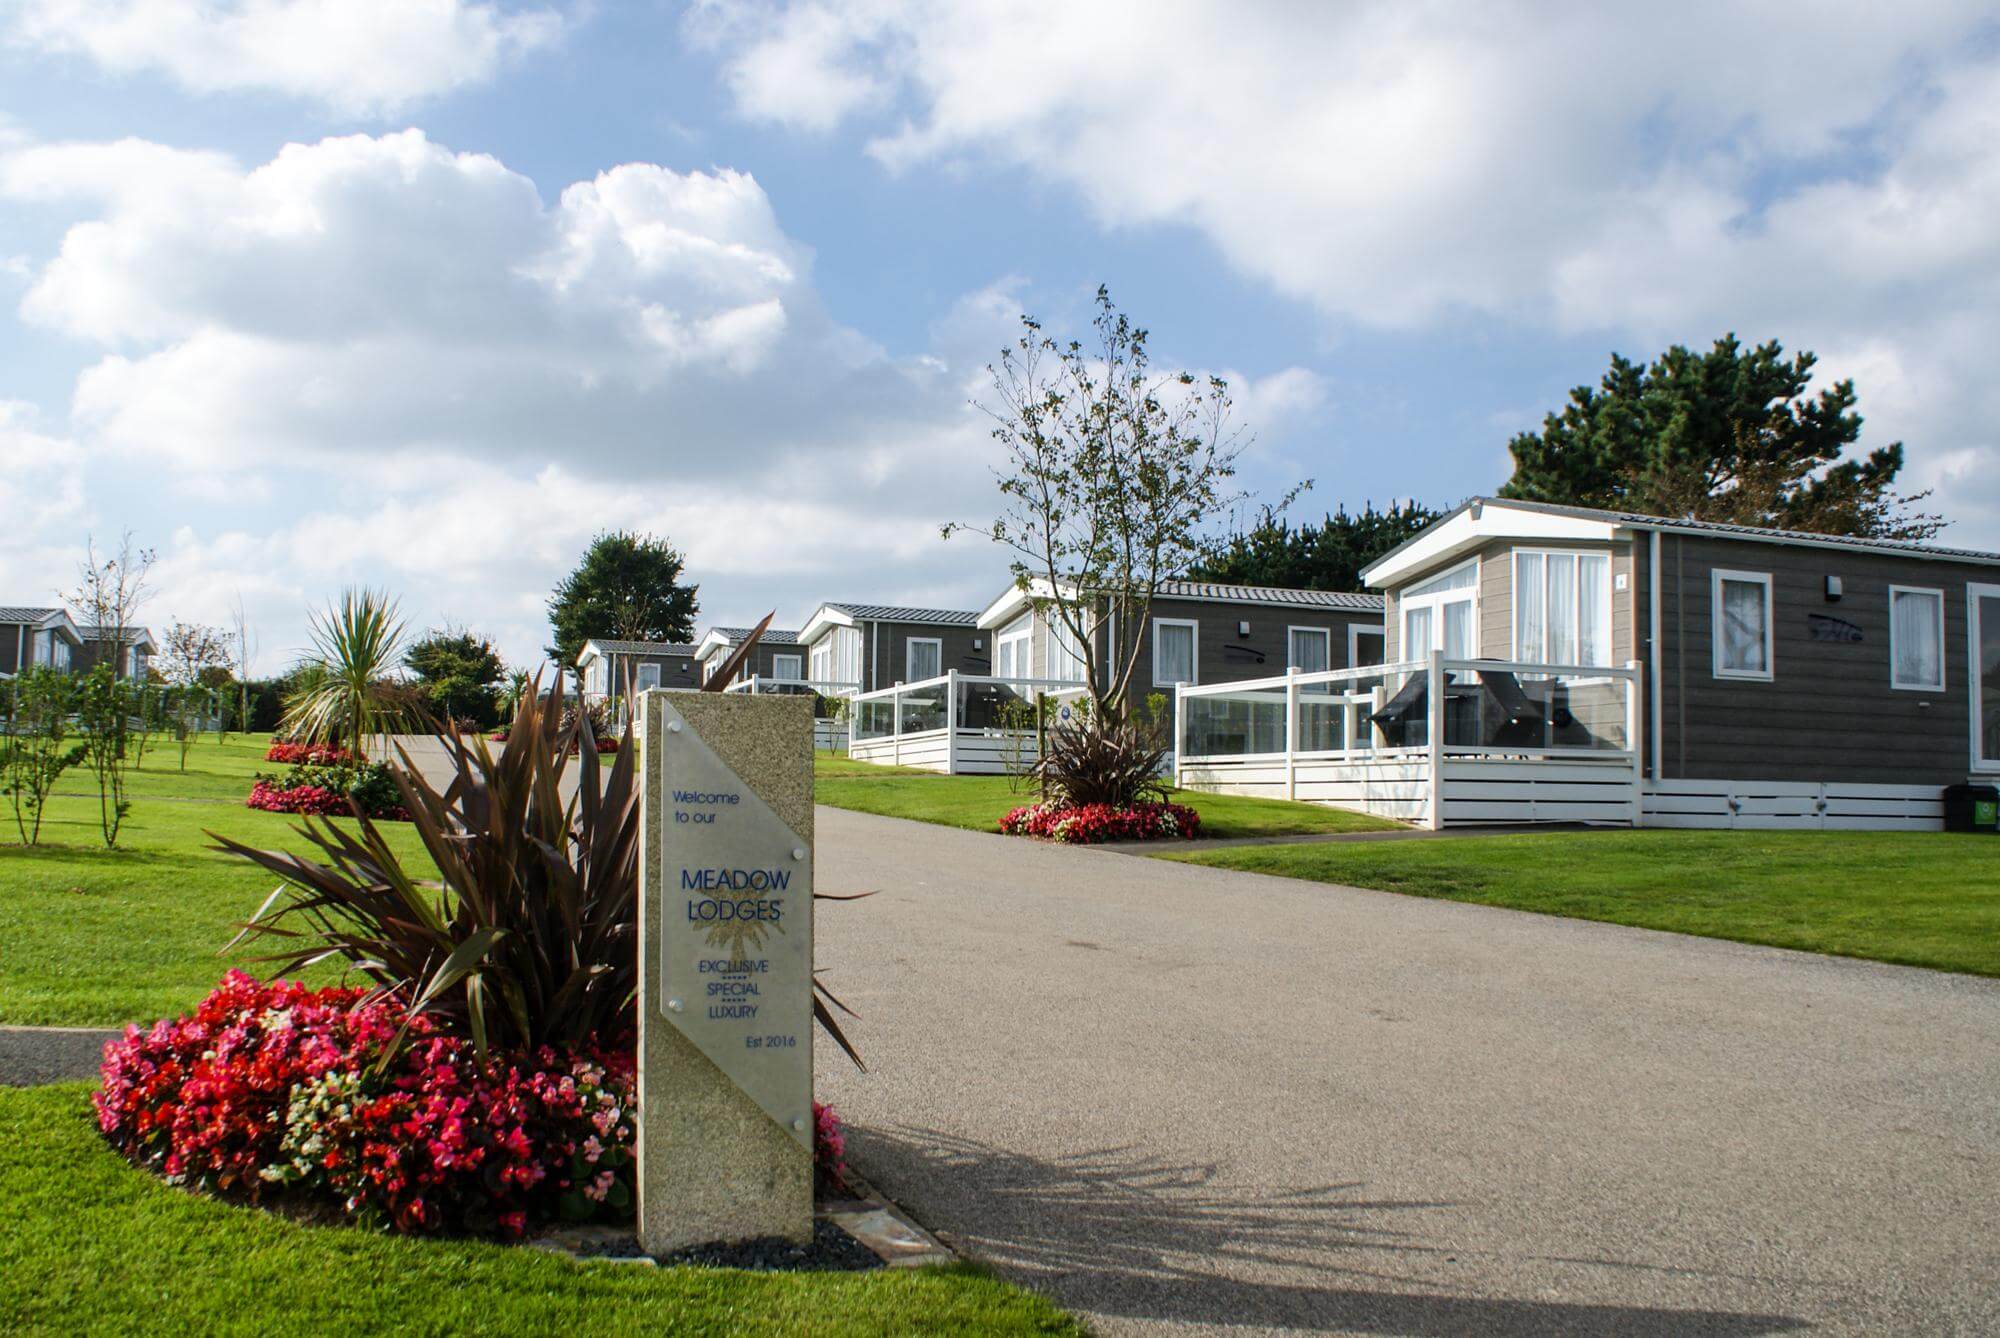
1562, 607
1366, 645
786, 668
1742, 631
646, 676
1173, 651
1982, 612
1065, 652
822, 660
1308, 649
1916, 639
1013, 655
1439, 614
923, 657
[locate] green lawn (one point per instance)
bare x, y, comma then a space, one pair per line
1919, 898
93, 936
93, 1246
977, 803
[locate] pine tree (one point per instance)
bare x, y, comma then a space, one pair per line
1327, 556
1728, 435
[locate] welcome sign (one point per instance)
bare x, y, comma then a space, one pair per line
737, 933
726, 1104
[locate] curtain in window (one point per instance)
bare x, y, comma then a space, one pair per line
1173, 653
1743, 622
847, 654
1914, 617
1562, 608
1529, 595
924, 657
1308, 651
1593, 604
1416, 634
1065, 652
1458, 638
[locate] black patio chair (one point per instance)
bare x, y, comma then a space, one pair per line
1522, 719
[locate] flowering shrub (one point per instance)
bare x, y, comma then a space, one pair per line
307, 754
1087, 824
270, 1090
325, 788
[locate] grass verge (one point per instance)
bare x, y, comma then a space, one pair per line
977, 803
100, 937
1915, 898
95, 1246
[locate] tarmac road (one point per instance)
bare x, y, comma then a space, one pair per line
1181, 1099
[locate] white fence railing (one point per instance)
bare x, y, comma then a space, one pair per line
1414, 713
935, 721
824, 687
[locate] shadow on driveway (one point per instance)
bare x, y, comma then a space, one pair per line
1125, 1233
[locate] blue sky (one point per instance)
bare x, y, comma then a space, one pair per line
308, 293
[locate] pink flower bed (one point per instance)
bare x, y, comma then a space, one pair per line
307, 754
274, 1089
312, 799
1088, 824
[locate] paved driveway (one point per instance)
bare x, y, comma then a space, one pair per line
1180, 1097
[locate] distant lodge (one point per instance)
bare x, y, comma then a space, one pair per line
1516, 662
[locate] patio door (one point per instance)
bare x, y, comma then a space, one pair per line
1983, 657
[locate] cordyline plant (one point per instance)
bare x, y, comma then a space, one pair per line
529, 933
346, 694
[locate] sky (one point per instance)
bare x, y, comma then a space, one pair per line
424, 294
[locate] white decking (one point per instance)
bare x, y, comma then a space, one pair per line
959, 724
1441, 743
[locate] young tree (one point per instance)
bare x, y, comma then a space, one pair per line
110, 590
1329, 555
457, 673
195, 660
1728, 435
1110, 475
243, 645
37, 748
104, 706
626, 588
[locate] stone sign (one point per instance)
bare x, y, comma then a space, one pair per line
725, 968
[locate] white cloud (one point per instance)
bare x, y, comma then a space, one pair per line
359, 57
375, 359
1650, 175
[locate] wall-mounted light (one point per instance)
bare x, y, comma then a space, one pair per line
1833, 589
1243, 629
977, 644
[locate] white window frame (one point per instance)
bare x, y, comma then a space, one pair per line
1974, 688
909, 667
1514, 602
1194, 650
1021, 630
1716, 576
1435, 602
1325, 634
1059, 665
640, 672
1896, 683
1355, 631
820, 655
797, 663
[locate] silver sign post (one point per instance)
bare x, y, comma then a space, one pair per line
725, 968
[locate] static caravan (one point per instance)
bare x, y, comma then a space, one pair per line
854, 647
777, 657
604, 665
98, 648
1197, 632
32, 636
1558, 663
